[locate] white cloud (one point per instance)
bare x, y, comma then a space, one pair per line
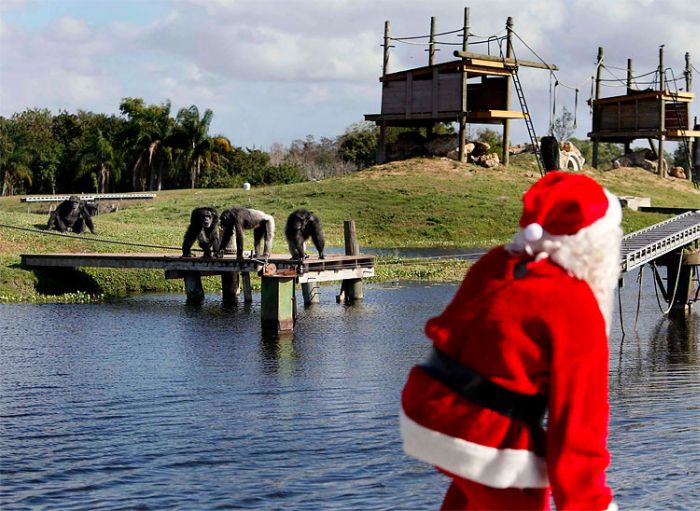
277, 69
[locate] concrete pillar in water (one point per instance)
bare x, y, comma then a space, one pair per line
229, 286
311, 292
278, 310
193, 286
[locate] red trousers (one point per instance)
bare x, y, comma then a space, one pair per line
466, 495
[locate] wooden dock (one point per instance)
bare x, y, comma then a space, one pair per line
279, 276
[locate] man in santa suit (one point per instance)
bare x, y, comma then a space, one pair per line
525, 335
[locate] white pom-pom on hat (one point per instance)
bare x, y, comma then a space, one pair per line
533, 232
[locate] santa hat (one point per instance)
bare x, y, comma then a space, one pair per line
576, 222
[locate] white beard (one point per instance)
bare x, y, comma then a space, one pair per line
592, 254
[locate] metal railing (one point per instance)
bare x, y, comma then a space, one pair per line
645, 245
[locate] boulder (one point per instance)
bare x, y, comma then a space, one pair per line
678, 172
489, 160
480, 148
570, 157
441, 145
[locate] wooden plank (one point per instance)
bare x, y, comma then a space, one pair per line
509, 62
681, 97
681, 133
497, 114
485, 63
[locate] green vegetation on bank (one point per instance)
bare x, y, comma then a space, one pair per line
421, 202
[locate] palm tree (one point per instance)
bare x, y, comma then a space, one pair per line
100, 155
14, 166
195, 141
149, 135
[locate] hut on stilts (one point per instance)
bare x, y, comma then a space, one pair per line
659, 112
475, 88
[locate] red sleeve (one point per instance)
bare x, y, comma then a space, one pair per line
577, 423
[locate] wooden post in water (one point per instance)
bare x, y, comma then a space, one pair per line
662, 114
229, 286
463, 111
247, 288
506, 122
598, 72
350, 289
278, 307
193, 286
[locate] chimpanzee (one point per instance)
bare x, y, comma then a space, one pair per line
204, 227
549, 148
237, 219
301, 225
71, 215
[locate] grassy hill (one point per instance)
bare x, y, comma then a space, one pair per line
414, 203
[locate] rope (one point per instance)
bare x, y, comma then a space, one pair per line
619, 305
639, 295
675, 287
425, 36
83, 238
575, 109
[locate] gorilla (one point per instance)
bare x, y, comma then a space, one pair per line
71, 215
549, 148
204, 228
237, 219
301, 225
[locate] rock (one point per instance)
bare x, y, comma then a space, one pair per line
480, 148
520, 148
489, 160
678, 172
638, 159
440, 145
570, 157
402, 149
454, 153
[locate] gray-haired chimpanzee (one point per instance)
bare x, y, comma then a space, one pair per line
71, 215
301, 225
237, 219
204, 227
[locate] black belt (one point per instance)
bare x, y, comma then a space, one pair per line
479, 390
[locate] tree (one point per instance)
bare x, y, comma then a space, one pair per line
194, 140
148, 136
15, 160
33, 130
563, 127
100, 156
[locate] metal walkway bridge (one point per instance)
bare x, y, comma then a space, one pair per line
646, 245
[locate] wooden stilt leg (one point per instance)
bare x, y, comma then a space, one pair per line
247, 289
229, 286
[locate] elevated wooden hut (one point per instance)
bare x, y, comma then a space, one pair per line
655, 113
473, 89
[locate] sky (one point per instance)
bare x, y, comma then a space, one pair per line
274, 71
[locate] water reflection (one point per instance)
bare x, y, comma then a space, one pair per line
152, 403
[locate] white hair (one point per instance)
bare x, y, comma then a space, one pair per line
592, 254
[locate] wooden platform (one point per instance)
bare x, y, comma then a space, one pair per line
332, 268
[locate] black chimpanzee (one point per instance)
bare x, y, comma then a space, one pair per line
204, 227
549, 148
71, 215
301, 225
237, 219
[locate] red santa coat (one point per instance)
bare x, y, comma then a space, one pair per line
543, 333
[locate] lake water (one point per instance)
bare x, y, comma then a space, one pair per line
148, 403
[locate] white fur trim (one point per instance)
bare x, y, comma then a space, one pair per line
497, 468
592, 254
612, 507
